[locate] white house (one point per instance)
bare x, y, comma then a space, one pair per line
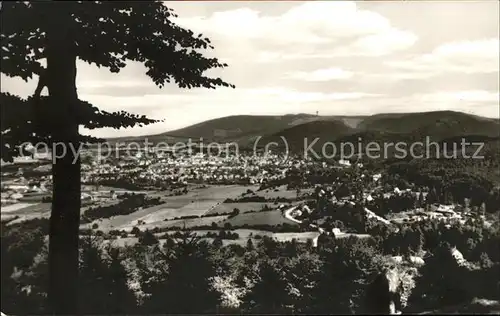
18, 187
336, 231
306, 208
16, 196
86, 197
343, 162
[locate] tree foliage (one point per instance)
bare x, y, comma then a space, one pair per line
107, 34
101, 33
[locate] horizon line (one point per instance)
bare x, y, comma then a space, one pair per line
497, 119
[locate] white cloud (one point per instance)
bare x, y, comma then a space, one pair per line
461, 96
92, 84
245, 24
376, 45
326, 74
255, 97
396, 75
383, 43
281, 95
336, 19
306, 26
487, 48
479, 56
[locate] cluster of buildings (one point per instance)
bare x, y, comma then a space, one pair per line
36, 189
439, 212
237, 169
21, 189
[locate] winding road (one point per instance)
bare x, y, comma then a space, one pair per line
288, 215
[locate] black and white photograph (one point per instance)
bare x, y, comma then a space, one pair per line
250, 157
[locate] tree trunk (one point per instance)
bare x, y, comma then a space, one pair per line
65, 216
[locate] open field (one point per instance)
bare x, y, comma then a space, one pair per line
226, 208
27, 208
251, 233
220, 191
281, 192
195, 203
187, 223
15, 207
98, 203
23, 218
28, 212
347, 235
200, 201
244, 234
20, 161
300, 237
273, 217
106, 190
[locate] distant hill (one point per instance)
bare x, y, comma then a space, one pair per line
325, 131
244, 129
239, 128
235, 128
438, 124
230, 128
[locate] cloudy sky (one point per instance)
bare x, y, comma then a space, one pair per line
337, 58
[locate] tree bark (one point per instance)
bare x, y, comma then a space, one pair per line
65, 216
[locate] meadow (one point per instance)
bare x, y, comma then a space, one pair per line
198, 202
244, 207
25, 211
282, 192
272, 218
244, 236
